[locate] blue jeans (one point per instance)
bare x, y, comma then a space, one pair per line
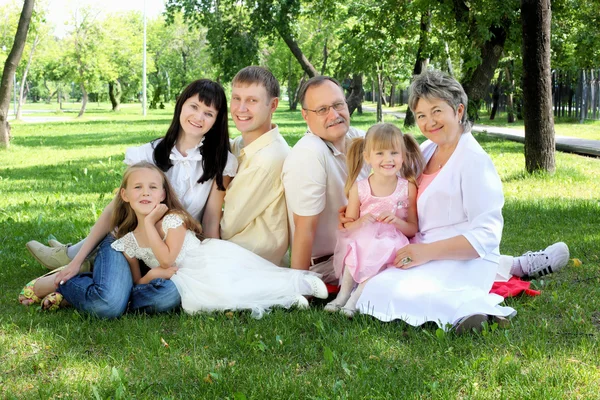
106, 291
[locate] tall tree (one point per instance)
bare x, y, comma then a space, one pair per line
10, 66
537, 86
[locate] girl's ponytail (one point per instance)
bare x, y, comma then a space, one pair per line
414, 163
354, 162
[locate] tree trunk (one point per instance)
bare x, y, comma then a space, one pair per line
496, 96
297, 52
448, 64
357, 93
84, 100
537, 86
10, 66
114, 93
476, 84
392, 93
325, 57
510, 107
380, 96
422, 60
24, 79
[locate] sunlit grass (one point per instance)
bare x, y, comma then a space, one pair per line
57, 177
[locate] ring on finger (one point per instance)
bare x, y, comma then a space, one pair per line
406, 260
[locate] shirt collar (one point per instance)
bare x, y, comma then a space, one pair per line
263, 141
192, 154
351, 134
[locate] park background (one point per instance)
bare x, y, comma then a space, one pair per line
61, 170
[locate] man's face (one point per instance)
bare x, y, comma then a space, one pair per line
333, 125
251, 108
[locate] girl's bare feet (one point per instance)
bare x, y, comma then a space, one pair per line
36, 290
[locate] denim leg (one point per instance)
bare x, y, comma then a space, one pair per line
105, 291
158, 296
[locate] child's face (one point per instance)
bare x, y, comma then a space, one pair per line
144, 190
386, 162
197, 118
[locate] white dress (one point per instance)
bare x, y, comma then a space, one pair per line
465, 198
219, 275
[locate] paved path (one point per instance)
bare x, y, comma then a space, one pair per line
586, 147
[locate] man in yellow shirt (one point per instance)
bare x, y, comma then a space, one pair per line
255, 213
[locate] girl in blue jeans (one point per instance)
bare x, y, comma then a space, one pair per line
195, 156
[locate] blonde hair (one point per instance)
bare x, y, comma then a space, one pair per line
124, 219
382, 137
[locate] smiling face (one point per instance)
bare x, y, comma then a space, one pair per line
252, 108
438, 121
385, 162
196, 118
334, 125
144, 190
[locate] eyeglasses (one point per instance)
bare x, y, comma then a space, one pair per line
339, 106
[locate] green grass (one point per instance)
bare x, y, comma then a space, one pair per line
57, 177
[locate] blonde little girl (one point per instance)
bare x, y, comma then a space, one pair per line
386, 205
210, 274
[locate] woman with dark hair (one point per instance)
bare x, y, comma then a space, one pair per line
195, 156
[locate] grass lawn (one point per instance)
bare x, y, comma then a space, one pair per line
57, 177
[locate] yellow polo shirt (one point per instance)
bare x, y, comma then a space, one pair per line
255, 213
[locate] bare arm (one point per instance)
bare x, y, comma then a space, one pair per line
165, 251
304, 236
454, 248
134, 266
353, 211
214, 209
98, 232
410, 227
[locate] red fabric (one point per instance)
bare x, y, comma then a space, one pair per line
332, 289
513, 287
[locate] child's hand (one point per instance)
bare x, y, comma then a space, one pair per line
157, 213
387, 218
366, 219
161, 273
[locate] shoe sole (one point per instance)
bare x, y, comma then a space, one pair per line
470, 323
40, 261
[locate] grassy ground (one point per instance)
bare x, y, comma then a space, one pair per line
57, 177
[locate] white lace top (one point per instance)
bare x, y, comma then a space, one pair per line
129, 245
184, 174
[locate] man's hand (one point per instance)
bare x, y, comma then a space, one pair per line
342, 219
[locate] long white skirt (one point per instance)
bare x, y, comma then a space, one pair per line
220, 275
439, 291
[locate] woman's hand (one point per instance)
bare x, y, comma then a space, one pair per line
412, 255
156, 214
67, 273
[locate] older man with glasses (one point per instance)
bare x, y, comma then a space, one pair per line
314, 174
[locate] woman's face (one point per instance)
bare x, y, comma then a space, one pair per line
196, 118
438, 121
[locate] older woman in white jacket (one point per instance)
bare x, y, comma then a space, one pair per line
446, 274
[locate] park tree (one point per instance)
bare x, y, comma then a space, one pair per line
537, 86
10, 66
235, 27
86, 57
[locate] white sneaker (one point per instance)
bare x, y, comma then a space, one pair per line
301, 302
318, 288
536, 264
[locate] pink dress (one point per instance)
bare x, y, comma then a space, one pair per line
369, 249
